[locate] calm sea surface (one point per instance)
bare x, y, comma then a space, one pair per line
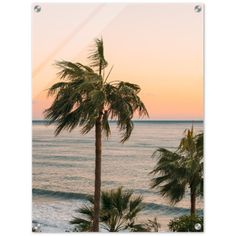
63, 170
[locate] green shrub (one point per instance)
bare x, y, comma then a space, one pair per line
187, 223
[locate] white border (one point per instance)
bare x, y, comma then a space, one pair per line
15, 116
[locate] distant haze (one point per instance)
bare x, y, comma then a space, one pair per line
158, 46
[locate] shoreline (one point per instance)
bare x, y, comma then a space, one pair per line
54, 212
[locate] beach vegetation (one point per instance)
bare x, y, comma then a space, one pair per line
180, 171
119, 211
187, 223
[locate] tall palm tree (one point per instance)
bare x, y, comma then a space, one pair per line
85, 98
119, 209
176, 171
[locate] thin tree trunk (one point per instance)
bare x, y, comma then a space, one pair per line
97, 187
98, 162
193, 202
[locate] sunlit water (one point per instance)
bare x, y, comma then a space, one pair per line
63, 171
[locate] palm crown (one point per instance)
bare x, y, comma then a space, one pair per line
119, 209
84, 95
176, 171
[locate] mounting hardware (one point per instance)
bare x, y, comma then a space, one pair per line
197, 8
37, 8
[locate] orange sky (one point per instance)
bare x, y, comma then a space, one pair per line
158, 46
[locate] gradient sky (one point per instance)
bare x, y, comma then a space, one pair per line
158, 46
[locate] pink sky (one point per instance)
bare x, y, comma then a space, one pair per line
158, 46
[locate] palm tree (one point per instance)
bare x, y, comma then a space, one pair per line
85, 98
176, 171
119, 210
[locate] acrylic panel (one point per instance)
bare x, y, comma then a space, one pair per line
117, 117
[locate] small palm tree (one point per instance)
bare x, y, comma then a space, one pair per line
176, 171
119, 210
85, 98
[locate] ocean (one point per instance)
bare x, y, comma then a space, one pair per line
63, 170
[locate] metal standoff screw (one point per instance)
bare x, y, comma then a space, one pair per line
197, 226
37, 8
36, 228
197, 8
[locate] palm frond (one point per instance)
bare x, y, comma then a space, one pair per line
81, 225
70, 71
123, 103
97, 57
135, 206
57, 86
200, 144
108, 74
84, 222
135, 227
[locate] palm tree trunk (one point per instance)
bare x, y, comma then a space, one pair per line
193, 201
97, 187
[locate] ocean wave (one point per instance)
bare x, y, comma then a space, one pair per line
169, 210
54, 164
158, 208
59, 194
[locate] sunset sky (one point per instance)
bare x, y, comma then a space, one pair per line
158, 46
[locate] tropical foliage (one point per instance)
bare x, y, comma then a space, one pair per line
175, 171
189, 223
152, 225
84, 97
119, 211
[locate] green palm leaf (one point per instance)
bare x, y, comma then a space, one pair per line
177, 171
97, 56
